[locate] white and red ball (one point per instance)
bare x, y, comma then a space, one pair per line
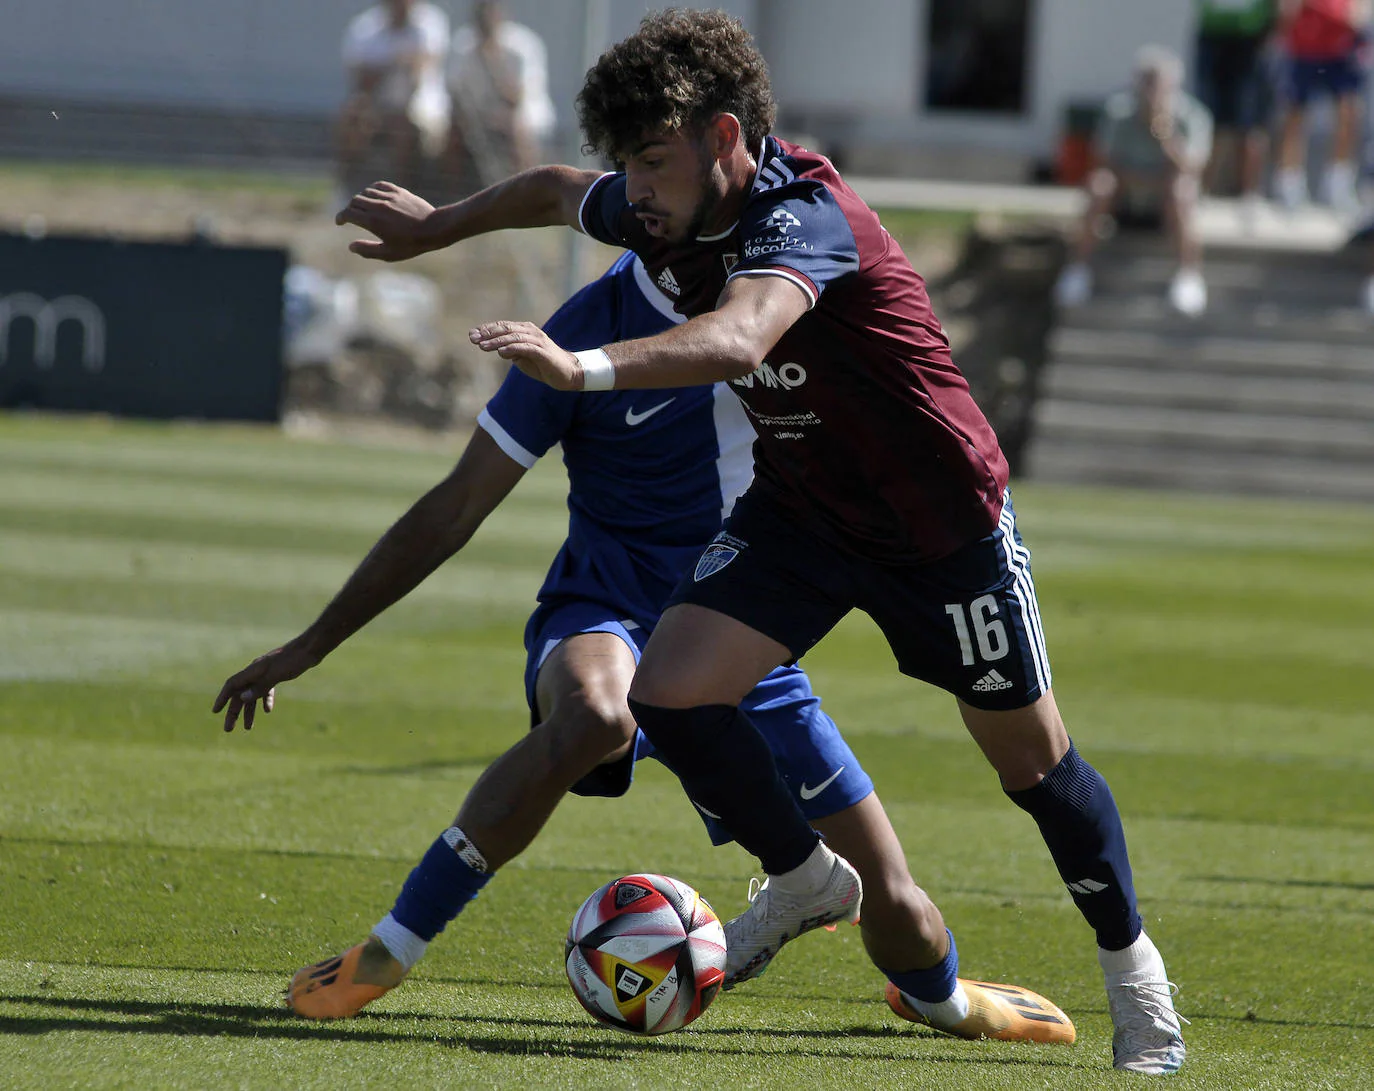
645, 954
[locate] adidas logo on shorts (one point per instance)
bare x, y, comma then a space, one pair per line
991, 683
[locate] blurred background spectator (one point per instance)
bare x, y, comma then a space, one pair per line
1323, 42
150, 121
394, 55
1233, 82
1151, 146
503, 115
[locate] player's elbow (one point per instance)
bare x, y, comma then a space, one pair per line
738, 354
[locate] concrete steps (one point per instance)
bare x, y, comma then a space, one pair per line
1270, 392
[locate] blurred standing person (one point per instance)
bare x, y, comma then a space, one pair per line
498, 75
1233, 82
1152, 144
1323, 41
394, 54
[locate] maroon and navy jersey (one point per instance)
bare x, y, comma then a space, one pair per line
866, 429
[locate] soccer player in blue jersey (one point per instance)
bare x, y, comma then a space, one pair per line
879, 484
651, 478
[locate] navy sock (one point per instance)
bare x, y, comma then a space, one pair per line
1081, 826
727, 769
438, 889
933, 984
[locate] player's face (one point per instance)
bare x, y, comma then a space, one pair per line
675, 184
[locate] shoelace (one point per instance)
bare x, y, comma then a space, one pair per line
1147, 993
756, 888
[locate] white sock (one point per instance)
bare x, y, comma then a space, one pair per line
810, 876
1140, 955
404, 945
946, 1013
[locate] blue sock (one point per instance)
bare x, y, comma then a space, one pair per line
933, 984
441, 885
728, 771
1081, 826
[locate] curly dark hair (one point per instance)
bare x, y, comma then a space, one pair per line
674, 74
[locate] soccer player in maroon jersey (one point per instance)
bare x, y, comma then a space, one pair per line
878, 484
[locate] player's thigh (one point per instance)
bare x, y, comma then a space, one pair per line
762, 593
698, 656
968, 623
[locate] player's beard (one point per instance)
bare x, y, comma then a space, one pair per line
708, 202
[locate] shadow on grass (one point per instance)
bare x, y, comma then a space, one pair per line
1311, 884
527, 1035
1265, 1021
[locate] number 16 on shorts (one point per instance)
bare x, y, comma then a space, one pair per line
979, 630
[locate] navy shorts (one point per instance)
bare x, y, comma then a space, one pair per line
1306, 80
967, 623
1233, 80
812, 756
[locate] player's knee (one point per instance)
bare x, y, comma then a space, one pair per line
659, 688
587, 722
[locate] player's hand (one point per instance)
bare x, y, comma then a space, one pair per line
258, 681
531, 350
400, 220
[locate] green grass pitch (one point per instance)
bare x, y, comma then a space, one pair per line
159, 880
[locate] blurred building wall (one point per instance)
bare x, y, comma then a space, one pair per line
849, 72
256, 54
858, 68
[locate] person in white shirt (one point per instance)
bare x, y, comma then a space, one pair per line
394, 54
498, 76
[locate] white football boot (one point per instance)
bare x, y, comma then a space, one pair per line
776, 915
1146, 1035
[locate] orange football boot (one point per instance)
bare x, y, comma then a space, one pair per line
331, 989
1007, 1013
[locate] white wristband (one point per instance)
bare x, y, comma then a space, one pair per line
598, 373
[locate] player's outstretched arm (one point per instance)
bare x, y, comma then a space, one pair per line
407, 225
726, 343
436, 527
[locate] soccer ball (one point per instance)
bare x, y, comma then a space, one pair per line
645, 954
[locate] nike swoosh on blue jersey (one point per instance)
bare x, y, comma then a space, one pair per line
632, 418
812, 793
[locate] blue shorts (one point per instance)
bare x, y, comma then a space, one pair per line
815, 761
1306, 80
968, 623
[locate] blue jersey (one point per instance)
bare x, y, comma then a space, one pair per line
651, 472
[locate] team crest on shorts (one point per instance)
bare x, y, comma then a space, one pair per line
716, 557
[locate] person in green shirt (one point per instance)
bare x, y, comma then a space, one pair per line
1233, 81
1153, 140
